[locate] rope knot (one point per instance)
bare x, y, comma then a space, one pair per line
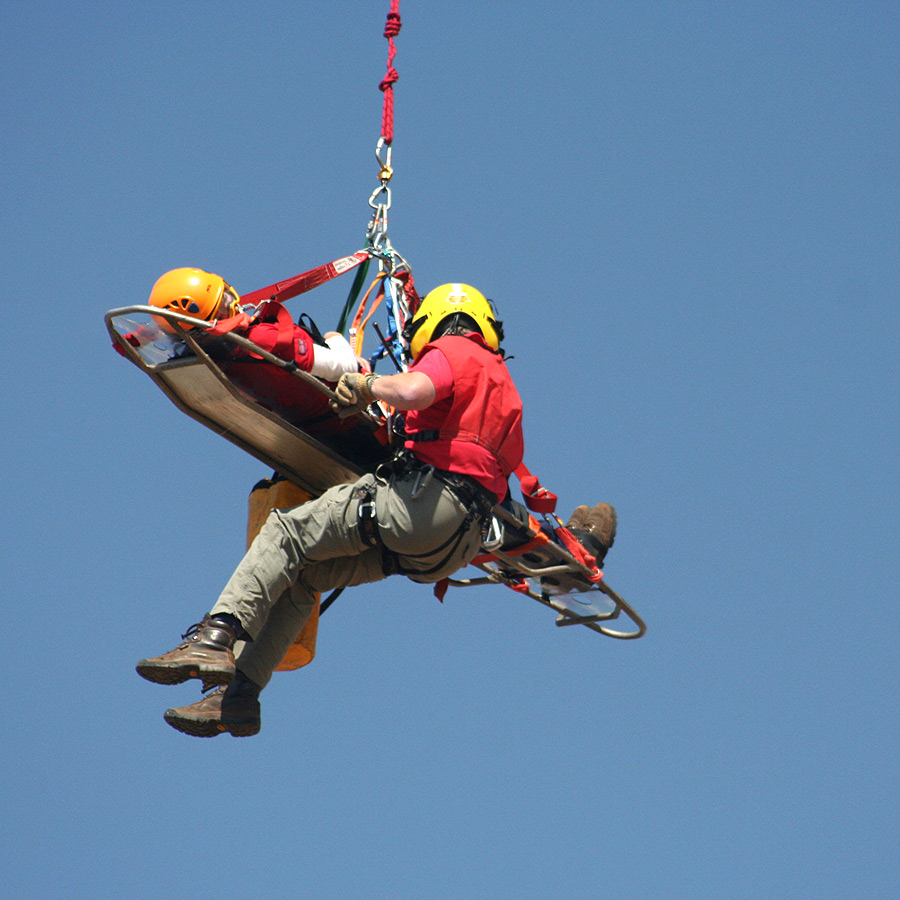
388, 79
393, 25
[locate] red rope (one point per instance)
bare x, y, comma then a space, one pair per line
391, 30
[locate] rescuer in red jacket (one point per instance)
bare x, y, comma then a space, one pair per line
421, 515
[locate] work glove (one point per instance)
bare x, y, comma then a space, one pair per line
353, 394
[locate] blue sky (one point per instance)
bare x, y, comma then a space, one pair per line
687, 214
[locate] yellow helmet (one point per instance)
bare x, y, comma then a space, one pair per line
196, 293
451, 300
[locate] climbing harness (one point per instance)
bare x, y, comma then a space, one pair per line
477, 502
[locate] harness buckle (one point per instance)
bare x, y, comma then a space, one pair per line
366, 519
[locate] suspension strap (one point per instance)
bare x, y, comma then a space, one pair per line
359, 280
306, 281
360, 320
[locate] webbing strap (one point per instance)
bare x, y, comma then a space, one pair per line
537, 498
305, 281
359, 280
572, 544
240, 322
357, 329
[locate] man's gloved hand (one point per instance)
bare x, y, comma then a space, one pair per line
354, 393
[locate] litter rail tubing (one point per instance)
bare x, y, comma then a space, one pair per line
196, 385
189, 339
567, 563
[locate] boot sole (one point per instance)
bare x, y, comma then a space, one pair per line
193, 727
206, 728
181, 672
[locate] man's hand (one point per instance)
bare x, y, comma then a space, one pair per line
354, 394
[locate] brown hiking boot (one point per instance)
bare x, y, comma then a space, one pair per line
234, 710
595, 528
579, 518
205, 653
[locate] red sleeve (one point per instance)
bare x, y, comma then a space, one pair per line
269, 336
434, 364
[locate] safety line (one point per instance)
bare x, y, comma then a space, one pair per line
391, 30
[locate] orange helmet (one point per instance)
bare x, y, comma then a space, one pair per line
195, 293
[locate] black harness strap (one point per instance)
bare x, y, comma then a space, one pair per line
310, 327
431, 434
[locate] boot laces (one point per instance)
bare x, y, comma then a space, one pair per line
193, 632
193, 629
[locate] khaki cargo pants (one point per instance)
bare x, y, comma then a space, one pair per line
317, 546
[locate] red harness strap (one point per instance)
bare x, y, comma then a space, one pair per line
537, 498
306, 281
540, 539
240, 322
570, 542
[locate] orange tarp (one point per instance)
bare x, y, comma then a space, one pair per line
265, 497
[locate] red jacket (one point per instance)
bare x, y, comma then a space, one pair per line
477, 431
272, 387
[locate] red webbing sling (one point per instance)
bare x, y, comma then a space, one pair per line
537, 498
305, 281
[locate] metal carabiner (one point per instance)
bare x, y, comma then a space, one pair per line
386, 203
384, 162
492, 535
423, 477
380, 202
